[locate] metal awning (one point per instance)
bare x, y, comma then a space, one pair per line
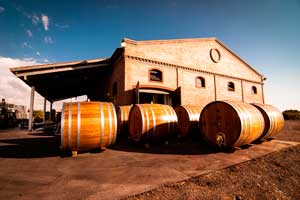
153, 91
63, 80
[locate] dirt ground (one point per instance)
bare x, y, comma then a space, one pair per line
32, 167
274, 176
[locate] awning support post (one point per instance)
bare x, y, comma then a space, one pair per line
31, 109
45, 103
50, 114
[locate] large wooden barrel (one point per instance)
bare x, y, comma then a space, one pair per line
231, 124
151, 122
88, 125
273, 120
122, 118
188, 118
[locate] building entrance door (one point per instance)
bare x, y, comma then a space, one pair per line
154, 96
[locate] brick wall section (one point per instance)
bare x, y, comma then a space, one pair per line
191, 95
190, 54
118, 76
139, 71
222, 89
193, 53
249, 96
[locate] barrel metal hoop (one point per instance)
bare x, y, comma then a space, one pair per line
101, 124
62, 124
154, 121
250, 133
70, 126
195, 115
147, 119
115, 123
248, 124
168, 116
143, 119
189, 112
241, 116
78, 124
272, 115
175, 118
244, 129
109, 141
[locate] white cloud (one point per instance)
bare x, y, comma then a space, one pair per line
45, 20
12, 89
2, 9
62, 26
38, 53
48, 40
29, 33
26, 45
15, 91
35, 19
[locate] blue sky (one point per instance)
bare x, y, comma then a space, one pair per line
264, 33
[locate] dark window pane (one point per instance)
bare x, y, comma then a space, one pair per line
231, 86
155, 75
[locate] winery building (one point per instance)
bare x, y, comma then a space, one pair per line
179, 71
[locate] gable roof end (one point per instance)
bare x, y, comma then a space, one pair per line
149, 42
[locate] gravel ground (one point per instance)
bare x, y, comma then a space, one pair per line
274, 176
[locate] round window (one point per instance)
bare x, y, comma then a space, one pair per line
215, 55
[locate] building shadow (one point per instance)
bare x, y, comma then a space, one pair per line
193, 144
38, 147
173, 147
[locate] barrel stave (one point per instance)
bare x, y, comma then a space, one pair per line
231, 124
188, 118
122, 118
88, 125
273, 118
151, 122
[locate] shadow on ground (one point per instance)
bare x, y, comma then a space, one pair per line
29, 147
44, 144
174, 147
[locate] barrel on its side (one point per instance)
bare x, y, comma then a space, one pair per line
151, 122
273, 120
122, 118
88, 125
231, 124
188, 118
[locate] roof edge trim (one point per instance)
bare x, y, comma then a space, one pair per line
136, 42
59, 64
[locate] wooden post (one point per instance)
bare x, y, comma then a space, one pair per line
50, 114
31, 109
44, 118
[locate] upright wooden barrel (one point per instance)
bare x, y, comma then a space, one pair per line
231, 124
273, 120
188, 118
122, 118
88, 125
151, 122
